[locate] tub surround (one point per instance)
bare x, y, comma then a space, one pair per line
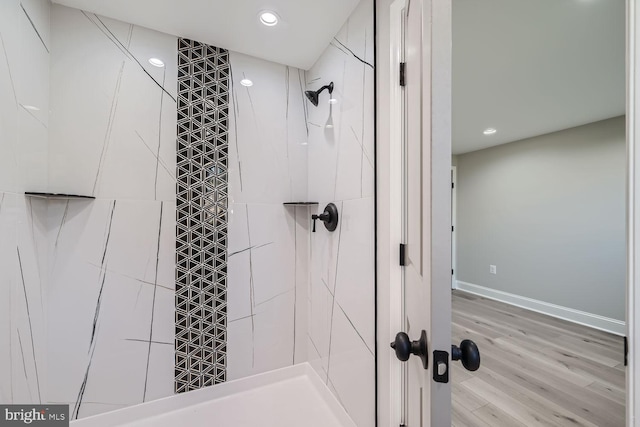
341, 337
113, 114
111, 261
90, 306
25, 44
268, 242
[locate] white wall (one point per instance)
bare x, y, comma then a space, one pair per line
549, 212
341, 337
24, 103
111, 263
267, 248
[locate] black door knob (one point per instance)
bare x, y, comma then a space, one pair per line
468, 354
405, 348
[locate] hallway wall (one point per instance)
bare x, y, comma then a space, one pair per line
549, 213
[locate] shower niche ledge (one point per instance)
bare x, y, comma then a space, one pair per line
301, 203
59, 196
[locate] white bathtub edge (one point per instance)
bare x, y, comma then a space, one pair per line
184, 400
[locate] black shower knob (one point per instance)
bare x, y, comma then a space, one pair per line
329, 217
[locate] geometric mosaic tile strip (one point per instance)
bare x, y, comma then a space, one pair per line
201, 247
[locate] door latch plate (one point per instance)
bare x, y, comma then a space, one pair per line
440, 366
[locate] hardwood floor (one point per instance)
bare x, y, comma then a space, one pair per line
535, 370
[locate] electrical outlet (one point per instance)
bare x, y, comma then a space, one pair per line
492, 269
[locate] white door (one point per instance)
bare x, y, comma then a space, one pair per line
436, 55
422, 111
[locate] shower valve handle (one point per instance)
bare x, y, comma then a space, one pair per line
329, 217
322, 217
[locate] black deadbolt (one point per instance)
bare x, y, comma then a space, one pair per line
329, 217
405, 348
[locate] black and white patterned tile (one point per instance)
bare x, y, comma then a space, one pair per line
202, 201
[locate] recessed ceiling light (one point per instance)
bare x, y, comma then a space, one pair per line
333, 101
156, 62
30, 107
268, 18
246, 82
489, 131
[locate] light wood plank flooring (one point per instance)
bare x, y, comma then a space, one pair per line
535, 370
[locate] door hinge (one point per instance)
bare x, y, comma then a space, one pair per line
403, 254
453, 228
403, 67
452, 271
626, 350
453, 185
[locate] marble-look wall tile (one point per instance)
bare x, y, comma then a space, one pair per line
240, 348
301, 290
320, 310
24, 105
32, 89
110, 262
355, 291
262, 288
24, 95
9, 104
23, 329
343, 155
352, 370
240, 295
110, 310
268, 243
29, 327
7, 247
24, 334
341, 300
268, 135
113, 114
39, 16
272, 233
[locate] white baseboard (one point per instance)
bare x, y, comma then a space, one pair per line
595, 321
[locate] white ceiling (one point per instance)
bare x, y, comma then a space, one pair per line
530, 67
305, 30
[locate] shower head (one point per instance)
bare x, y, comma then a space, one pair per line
313, 95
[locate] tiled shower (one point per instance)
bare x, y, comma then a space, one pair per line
186, 269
